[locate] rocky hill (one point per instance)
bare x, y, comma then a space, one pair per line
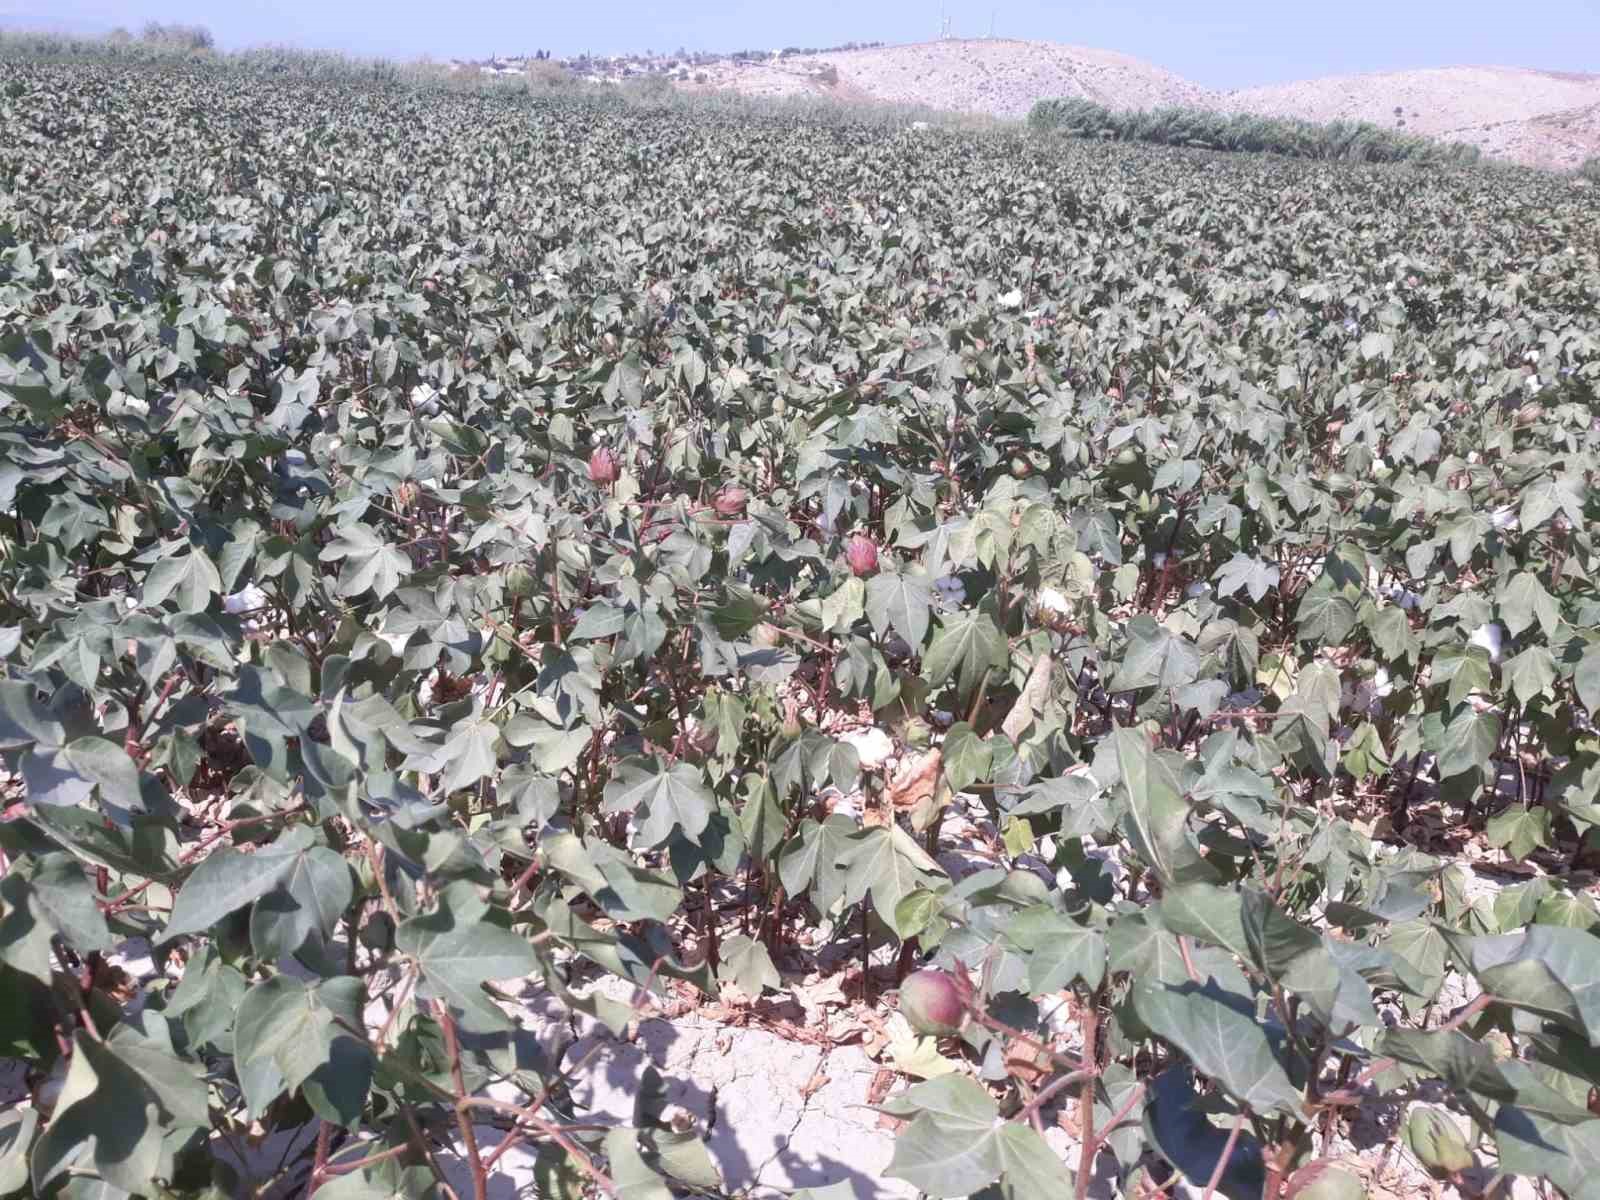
1540, 118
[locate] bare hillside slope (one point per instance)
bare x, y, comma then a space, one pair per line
1000, 77
1540, 118
1543, 118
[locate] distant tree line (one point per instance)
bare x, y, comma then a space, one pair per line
1335, 141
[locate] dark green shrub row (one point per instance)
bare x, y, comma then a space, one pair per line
1342, 141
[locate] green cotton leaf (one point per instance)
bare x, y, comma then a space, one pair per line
1530, 674
1029, 1168
226, 880
682, 1157
1392, 633
1218, 1031
105, 764
291, 1035
1468, 1065
1176, 1125
810, 861
119, 1101
1274, 939
631, 1176
1524, 601
1364, 755
1536, 1147
901, 603
741, 612
747, 965
967, 757
189, 580
1586, 679
1544, 498
967, 647
844, 606
1546, 969
661, 798
469, 754
369, 562
17, 1127
1255, 576
307, 902
1058, 950
951, 1148
1207, 913
1325, 616
1377, 344
61, 893
1156, 657
1158, 813
885, 863
23, 720
1520, 831
458, 950
625, 890
1468, 742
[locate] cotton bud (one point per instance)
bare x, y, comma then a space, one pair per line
1436, 1141
603, 467
933, 1002
730, 501
791, 720
861, 552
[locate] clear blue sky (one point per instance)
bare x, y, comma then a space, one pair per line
1223, 43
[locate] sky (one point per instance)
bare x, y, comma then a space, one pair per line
1220, 43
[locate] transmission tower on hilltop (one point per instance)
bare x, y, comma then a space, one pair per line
944, 25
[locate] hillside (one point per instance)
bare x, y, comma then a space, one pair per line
1540, 118
1001, 77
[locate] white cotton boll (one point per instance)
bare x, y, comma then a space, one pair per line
1531, 356
1012, 299
1474, 457
872, 746
1382, 683
1504, 517
130, 602
124, 405
1492, 637
335, 444
1052, 601
1534, 385
245, 599
1158, 559
1197, 590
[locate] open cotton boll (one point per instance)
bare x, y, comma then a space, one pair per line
245, 599
872, 746
1050, 600
1197, 590
1158, 559
1504, 517
1492, 637
1012, 299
